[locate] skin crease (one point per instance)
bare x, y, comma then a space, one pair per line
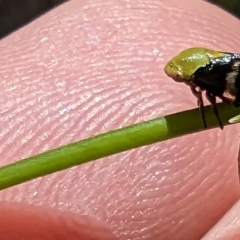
228, 227
88, 67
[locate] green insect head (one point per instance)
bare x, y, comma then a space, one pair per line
182, 67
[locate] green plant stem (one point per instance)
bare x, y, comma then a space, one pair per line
110, 143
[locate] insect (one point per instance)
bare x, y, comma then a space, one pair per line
217, 73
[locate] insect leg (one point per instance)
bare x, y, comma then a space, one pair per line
198, 95
212, 99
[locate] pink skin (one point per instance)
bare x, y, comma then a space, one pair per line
228, 227
89, 67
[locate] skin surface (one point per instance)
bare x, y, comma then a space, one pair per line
228, 227
92, 66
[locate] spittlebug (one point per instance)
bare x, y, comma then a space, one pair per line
217, 73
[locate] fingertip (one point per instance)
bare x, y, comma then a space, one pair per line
31, 222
